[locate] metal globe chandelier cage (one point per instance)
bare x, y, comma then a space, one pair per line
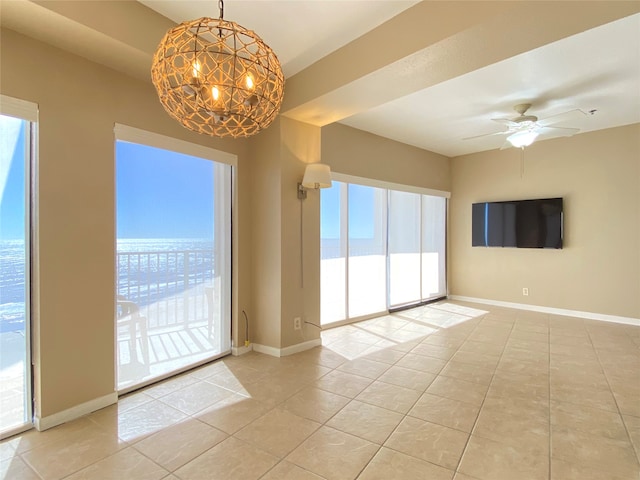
217, 78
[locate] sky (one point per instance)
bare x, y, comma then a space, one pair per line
361, 211
162, 194
12, 168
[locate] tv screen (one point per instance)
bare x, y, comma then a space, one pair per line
518, 223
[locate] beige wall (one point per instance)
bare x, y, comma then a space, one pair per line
598, 270
355, 152
79, 104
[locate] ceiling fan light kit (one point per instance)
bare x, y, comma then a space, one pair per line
218, 78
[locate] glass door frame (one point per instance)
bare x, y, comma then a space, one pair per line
134, 135
27, 111
345, 181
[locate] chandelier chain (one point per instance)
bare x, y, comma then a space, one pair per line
221, 8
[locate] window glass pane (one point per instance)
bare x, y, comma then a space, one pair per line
367, 224
173, 261
15, 394
404, 247
333, 254
433, 247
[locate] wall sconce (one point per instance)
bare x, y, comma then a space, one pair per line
316, 175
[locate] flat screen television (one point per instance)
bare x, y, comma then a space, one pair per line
518, 223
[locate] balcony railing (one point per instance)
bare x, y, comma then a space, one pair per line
169, 287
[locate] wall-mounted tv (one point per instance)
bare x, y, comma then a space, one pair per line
518, 223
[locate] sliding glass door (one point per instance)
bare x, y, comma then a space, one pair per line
173, 261
404, 248
381, 248
367, 234
16, 155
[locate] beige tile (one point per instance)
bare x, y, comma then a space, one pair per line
169, 386
462, 476
273, 390
288, 471
384, 355
140, 422
485, 360
522, 384
588, 420
421, 363
633, 427
15, 468
601, 453
527, 431
391, 397
404, 347
468, 372
490, 460
127, 463
408, 378
333, 454
515, 406
323, 356
345, 384
176, 445
456, 389
231, 459
443, 341
388, 464
365, 368
67, 432
445, 411
198, 396
529, 336
233, 413
8, 449
628, 404
471, 347
428, 441
584, 395
436, 351
277, 432
62, 457
366, 421
315, 404
562, 470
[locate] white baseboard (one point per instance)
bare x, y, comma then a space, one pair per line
555, 311
44, 423
236, 351
283, 352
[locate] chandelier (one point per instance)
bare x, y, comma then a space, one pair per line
218, 78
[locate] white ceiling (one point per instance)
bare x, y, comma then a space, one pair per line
300, 32
597, 69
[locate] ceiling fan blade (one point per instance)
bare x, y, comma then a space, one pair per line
505, 132
571, 115
558, 131
506, 121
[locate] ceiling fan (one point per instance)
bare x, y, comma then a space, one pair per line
523, 130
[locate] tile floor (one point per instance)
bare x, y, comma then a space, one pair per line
446, 391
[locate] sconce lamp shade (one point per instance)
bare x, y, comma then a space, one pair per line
523, 138
317, 175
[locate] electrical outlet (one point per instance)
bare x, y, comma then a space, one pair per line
525, 291
297, 323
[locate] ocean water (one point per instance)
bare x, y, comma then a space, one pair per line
12, 285
148, 270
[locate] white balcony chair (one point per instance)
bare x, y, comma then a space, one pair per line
128, 313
